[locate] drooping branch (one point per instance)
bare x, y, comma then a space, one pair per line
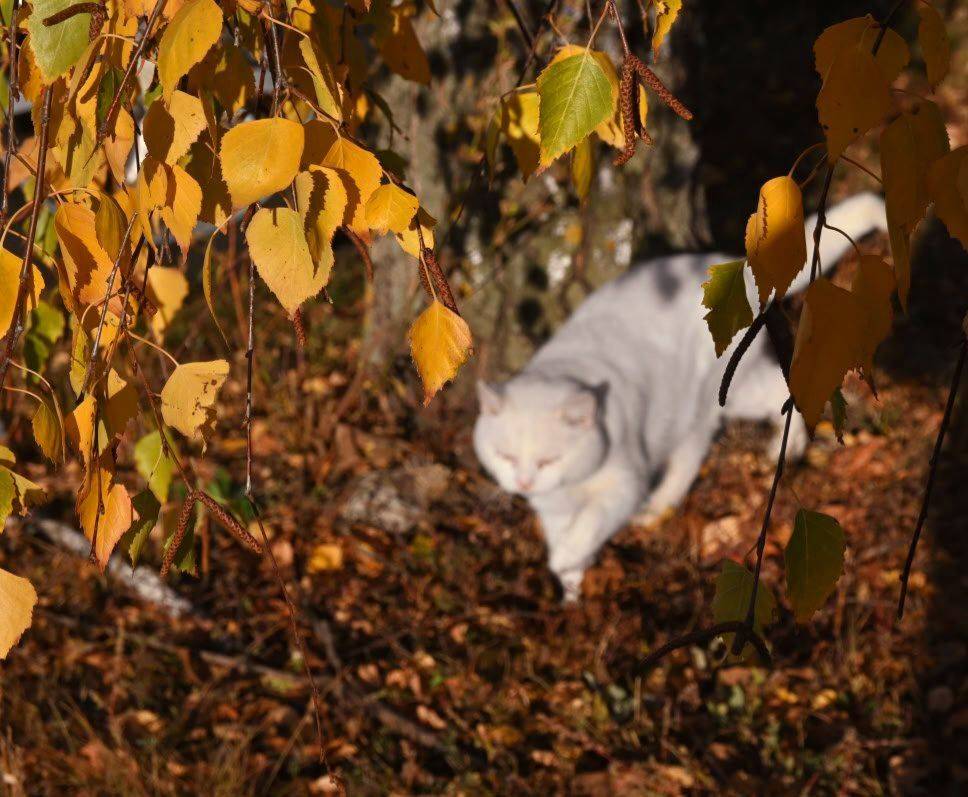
26, 272
932, 471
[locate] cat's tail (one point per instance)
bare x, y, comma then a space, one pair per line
857, 216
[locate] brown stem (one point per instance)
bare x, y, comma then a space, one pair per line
26, 273
129, 71
13, 90
932, 470
703, 636
71, 11
364, 251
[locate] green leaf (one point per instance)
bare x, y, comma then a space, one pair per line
47, 322
575, 96
814, 560
153, 464
724, 294
147, 508
58, 47
106, 90
7, 492
734, 587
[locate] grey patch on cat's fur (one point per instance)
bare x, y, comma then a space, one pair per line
615, 414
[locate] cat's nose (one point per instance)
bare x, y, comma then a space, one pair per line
525, 484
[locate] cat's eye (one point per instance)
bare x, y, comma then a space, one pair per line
543, 463
507, 457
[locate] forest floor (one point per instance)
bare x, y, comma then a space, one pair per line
444, 660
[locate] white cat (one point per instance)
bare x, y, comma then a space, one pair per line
617, 411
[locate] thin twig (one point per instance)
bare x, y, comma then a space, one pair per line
526, 33
932, 470
13, 89
139, 47
702, 636
26, 273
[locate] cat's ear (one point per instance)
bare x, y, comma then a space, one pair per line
490, 398
581, 410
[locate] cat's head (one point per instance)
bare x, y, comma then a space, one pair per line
535, 435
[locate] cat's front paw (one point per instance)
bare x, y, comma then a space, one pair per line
652, 517
570, 581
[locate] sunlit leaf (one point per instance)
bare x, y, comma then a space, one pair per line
390, 208
278, 247
188, 398
154, 465
167, 289
776, 244
17, 600
575, 96
56, 48
187, 38
260, 157
666, 12
171, 127
440, 342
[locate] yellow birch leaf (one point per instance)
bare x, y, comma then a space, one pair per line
826, 347
120, 404
409, 240
104, 509
440, 342
79, 427
519, 122
10, 265
872, 286
666, 12
909, 145
401, 49
390, 208
934, 43
48, 429
117, 145
84, 265
168, 194
854, 97
329, 94
322, 199
205, 169
188, 397
171, 127
278, 247
167, 289
776, 244
948, 189
260, 157
861, 33
325, 148
188, 37
17, 600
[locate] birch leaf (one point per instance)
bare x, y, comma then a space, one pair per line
575, 96
854, 97
188, 37
440, 342
814, 560
188, 398
861, 33
171, 127
947, 185
390, 208
934, 43
724, 293
56, 48
17, 600
260, 157
278, 247
776, 243
666, 13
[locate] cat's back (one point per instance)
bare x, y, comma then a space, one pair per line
640, 307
